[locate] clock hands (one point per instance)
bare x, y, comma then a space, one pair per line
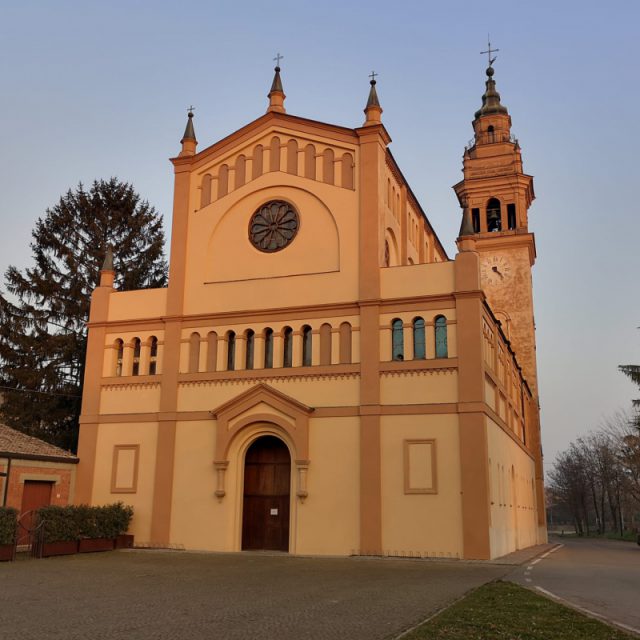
496, 270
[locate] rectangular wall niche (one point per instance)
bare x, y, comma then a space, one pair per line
124, 473
420, 474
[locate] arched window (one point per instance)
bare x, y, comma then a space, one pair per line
287, 347
194, 352
310, 162
419, 350
441, 337
119, 348
494, 220
153, 355
231, 350
241, 171
345, 343
306, 346
475, 219
292, 157
491, 133
511, 216
397, 340
223, 181
135, 371
268, 348
327, 166
347, 171
258, 154
325, 343
274, 154
250, 339
212, 351
205, 195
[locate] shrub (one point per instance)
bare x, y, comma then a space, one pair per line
59, 523
8, 525
83, 521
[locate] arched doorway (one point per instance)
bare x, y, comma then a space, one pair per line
267, 481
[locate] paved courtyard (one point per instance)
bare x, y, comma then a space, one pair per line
174, 594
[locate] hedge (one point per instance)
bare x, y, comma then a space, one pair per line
82, 521
8, 525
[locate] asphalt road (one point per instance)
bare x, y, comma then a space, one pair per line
601, 576
154, 594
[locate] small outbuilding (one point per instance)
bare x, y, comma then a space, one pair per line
34, 474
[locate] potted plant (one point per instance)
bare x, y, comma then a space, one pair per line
120, 518
58, 530
94, 529
8, 527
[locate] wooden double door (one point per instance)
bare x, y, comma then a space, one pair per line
267, 481
35, 494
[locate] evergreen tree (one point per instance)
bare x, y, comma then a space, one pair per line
43, 319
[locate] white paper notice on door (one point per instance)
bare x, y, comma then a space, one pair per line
274, 512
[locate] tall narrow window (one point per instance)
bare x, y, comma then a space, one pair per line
397, 340
258, 155
136, 357
231, 351
345, 343
306, 346
511, 216
153, 355
441, 337
223, 181
119, 356
475, 219
310, 162
419, 351
292, 157
494, 220
274, 154
212, 350
327, 166
268, 348
250, 338
194, 352
205, 195
325, 343
241, 171
287, 347
347, 171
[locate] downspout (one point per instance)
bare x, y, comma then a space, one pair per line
5, 474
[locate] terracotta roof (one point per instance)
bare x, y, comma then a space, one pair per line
21, 445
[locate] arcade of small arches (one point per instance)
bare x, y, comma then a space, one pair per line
297, 161
495, 218
270, 349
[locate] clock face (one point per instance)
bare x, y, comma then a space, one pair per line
495, 270
273, 226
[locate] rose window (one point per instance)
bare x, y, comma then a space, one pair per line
273, 226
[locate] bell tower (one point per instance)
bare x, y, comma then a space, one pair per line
496, 195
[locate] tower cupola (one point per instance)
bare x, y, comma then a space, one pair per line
189, 141
373, 110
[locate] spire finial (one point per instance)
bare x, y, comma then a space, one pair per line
489, 51
107, 265
276, 95
373, 110
189, 141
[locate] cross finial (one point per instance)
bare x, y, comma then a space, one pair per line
489, 51
190, 110
277, 59
373, 75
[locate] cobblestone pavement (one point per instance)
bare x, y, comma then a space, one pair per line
173, 594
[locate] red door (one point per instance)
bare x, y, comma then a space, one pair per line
267, 479
36, 494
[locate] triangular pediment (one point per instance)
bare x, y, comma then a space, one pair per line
261, 394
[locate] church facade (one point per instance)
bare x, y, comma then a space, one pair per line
319, 376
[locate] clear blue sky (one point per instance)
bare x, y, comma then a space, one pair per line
98, 89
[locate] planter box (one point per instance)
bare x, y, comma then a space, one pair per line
60, 548
88, 545
7, 552
124, 541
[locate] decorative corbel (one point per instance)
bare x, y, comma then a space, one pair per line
220, 467
302, 467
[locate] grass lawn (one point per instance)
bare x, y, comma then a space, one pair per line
505, 611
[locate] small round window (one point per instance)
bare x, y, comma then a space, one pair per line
273, 226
